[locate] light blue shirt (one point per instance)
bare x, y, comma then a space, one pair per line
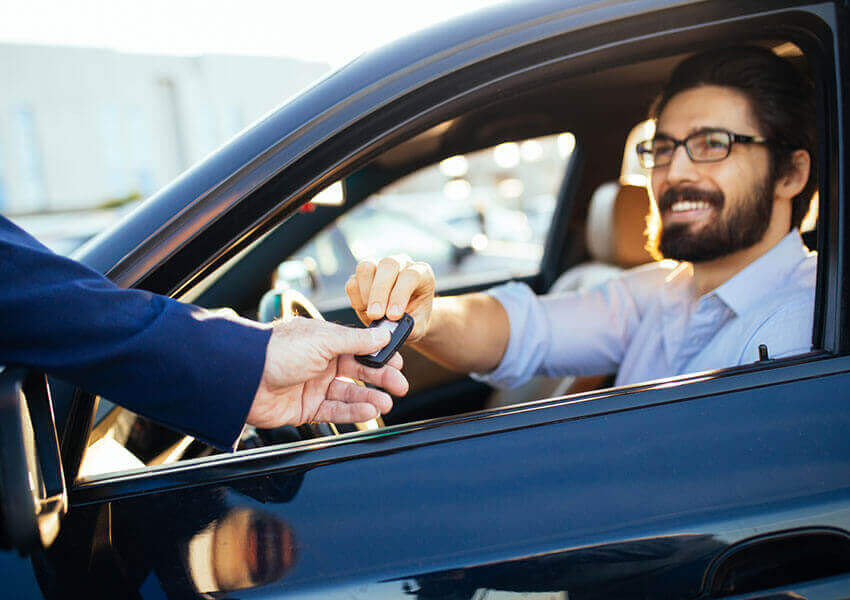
648, 323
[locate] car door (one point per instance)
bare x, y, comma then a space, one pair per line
711, 486
715, 484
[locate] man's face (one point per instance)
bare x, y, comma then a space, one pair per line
709, 210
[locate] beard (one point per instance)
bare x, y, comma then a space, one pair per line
742, 228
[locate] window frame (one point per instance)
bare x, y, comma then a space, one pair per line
830, 315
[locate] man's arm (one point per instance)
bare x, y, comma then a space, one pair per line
198, 371
466, 333
509, 334
178, 364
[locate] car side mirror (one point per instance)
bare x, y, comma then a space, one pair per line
33, 496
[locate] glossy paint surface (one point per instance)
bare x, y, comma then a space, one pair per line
634, 503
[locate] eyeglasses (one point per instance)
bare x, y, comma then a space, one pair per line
706, 145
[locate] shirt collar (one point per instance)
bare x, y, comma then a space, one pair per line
773, 267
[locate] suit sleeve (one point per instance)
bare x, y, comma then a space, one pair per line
180, 365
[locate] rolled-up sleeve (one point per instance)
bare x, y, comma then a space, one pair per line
529, 339
577, 333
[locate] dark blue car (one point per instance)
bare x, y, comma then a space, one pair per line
732, 483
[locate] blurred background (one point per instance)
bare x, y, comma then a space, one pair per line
104, 102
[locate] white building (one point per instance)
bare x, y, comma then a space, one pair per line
81, 127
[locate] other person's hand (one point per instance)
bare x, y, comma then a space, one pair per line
391, 287
299, 383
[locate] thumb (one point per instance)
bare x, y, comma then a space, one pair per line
348, 340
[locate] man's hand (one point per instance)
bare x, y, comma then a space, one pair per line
392, 287
463, 333
299, 382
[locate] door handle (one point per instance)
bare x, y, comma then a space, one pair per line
782, 565
833, 588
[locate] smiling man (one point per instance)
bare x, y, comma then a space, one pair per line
733, 170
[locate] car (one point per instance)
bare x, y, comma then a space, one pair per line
726, 483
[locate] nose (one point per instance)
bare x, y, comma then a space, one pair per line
681, 168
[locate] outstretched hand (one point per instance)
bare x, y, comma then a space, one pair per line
300, 382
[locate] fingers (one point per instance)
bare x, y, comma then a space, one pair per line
369, 287
342, 412
396, 361
350, 403
351, 393
365, 274
337, 339
387, 287
408, 282
387, 377
383, 282
352, 288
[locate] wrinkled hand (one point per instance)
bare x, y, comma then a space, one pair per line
299, 382
392, 287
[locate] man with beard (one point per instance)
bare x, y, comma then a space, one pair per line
733, 169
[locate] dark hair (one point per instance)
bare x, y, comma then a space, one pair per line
781, 100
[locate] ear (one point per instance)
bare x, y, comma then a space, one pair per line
794, 180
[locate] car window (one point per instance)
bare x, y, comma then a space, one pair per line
476, 218
371, 233
479, 217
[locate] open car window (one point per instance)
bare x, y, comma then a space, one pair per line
479, 217
475, 217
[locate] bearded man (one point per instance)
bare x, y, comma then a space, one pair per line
733, 169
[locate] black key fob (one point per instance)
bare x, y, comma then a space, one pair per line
399, 330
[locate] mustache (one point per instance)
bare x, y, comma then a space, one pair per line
690, 194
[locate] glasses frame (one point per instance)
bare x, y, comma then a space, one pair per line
644, 149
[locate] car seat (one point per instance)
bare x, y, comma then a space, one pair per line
616, 241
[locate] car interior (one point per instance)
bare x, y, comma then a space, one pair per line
595, 231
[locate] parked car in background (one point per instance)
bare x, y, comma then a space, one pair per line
732, 483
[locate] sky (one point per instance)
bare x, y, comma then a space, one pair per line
331, 31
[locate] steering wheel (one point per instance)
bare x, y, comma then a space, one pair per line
284, 305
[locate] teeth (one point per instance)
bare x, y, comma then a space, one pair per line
683, 206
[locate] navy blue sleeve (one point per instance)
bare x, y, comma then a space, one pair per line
180, 365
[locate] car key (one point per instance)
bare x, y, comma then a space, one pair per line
399, 330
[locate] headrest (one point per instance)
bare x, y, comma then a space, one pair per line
600, 219
616, 222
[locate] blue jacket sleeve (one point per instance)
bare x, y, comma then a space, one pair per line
180, 365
